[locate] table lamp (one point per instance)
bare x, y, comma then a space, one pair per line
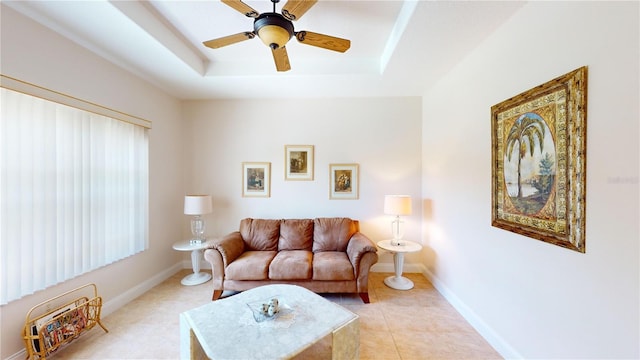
397, 205
197, 205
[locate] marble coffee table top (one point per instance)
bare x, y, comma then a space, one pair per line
226, 328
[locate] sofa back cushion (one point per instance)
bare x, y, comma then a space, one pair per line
296, 234
333, 234
260, 234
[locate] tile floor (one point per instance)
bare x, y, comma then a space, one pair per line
414, 324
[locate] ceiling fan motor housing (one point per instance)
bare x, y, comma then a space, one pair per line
273, 29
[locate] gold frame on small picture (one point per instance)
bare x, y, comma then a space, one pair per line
298, 160
256, 179
343, 181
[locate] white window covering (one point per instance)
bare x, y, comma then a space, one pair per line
73, 192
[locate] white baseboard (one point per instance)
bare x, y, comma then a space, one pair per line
119, 301
20, 355
495, 340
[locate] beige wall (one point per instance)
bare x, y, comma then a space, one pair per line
382, 135
532, 299
34, 54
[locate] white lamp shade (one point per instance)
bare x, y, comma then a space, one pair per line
197, 204
397, 204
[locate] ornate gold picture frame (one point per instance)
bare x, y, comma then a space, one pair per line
538, 157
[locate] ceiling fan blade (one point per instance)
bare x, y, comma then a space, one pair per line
294, 9
323, 41
228, 40
281, 59
245, 9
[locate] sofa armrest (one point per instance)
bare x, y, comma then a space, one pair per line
230, 246
219, 253
358, 246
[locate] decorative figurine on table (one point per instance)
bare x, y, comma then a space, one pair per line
270, 308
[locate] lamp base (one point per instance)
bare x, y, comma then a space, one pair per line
197, 230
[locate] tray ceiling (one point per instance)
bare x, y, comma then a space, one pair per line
398, 48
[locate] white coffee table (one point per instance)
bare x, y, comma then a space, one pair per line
197, 277
225, 329
398, 281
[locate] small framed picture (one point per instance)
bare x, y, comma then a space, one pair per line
298, 161
256, 179
343, 181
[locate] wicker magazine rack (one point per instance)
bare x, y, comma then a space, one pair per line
49, 326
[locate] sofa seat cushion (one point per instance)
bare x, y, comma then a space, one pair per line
251, 265
291, 265
332, 265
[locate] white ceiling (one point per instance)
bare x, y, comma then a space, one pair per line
398, 48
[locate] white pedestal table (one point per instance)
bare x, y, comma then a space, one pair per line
398, 281
197, 277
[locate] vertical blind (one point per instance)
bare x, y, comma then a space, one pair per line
73, 192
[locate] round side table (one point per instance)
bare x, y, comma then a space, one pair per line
398, 281
196, 253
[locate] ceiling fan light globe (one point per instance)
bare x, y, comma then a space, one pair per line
274, 36
273, 29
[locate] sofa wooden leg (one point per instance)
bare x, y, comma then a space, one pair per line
365, 297
216, 295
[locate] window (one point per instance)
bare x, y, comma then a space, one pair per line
73, 188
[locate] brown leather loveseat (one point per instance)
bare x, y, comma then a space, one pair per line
324, 255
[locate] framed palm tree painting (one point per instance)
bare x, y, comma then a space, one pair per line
538, 155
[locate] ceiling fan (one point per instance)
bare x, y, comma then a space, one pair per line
276, 29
